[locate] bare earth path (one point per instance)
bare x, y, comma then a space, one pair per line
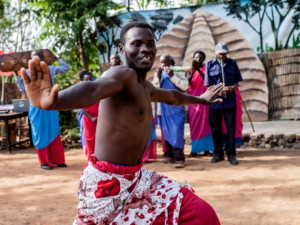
263, 190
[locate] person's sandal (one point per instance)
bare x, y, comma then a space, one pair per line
62, 165
46, 167
179, 164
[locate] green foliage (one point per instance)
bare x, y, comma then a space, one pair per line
2, 7
296, 41
189, 3
143, 4
69, 27
268, 48
16, 21
69, 128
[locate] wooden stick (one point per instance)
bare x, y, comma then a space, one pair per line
248, 114
223, 75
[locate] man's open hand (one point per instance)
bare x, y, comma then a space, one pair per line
209, 96
38, 86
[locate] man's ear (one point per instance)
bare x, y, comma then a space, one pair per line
121, 48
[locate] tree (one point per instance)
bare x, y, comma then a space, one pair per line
108, 29
15, 21
188, 3
160, 21
144, 4
73, 23
274, 10
2, 2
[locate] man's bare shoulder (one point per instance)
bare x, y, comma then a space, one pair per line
121, 73
149, 86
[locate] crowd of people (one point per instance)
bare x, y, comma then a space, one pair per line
118, 128
213, 130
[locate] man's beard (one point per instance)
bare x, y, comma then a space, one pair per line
138, 70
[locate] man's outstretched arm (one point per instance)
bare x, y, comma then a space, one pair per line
173, 97
44, 96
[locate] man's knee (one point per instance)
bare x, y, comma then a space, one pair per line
196, 211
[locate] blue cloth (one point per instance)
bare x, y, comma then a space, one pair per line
203, 144
232, 76
44, 124
80, 123
152, 134
172, 117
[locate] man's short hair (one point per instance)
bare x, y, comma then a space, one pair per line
84, 72
132, 24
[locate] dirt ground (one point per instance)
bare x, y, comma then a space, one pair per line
263, 190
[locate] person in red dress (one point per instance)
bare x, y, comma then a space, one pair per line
90, 115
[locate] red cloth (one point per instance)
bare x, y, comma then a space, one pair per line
150, 152
107, 167
193, 211
53, 154
90, 128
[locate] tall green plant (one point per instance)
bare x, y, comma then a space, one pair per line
15, 23
71, 26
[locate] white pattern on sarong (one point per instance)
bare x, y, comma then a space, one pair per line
152, 195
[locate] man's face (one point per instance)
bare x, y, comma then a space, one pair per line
199, 58
222, 56
115, 60
139, 49
87, 77
165, 61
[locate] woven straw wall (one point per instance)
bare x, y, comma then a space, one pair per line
283, 73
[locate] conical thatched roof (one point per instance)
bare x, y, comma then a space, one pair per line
202, 31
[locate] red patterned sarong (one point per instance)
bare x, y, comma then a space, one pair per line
111, 194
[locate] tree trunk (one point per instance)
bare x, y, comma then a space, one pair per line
82, 54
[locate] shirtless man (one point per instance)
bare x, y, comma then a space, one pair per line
113, 188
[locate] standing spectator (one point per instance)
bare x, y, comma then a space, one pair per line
45, 124
172, 117
198, 114
223, 69
89, 119
114, 60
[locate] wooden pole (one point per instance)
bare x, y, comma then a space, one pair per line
248, 114
223, 75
